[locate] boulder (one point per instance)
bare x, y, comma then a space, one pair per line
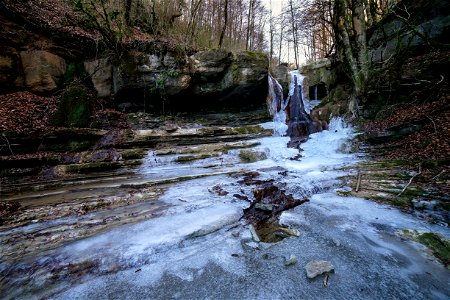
100, 71
43, 70
210, 65
315, 268
250, 155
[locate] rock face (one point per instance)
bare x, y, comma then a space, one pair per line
8, 69
421, 22
156, 75
282, 75
319, 76
100, 71
42, 70
213, 78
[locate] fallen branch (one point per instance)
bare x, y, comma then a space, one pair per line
410, 180
440, 173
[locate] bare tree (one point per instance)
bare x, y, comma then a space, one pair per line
294, 32
225, 19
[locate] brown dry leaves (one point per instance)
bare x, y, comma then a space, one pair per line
25, 112
431, 142
53, 14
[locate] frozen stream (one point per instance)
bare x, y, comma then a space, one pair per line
200, 248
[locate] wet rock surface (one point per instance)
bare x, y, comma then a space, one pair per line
264, 211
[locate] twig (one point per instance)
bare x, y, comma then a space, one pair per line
7, 141
440, 173
325, 279
422, 80
434, 124
358, 182
410, 84
406, 186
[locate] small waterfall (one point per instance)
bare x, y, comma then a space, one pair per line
300, 79
291, 116
277, 107
275, 100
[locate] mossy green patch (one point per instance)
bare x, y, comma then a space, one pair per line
438, 245
250, 129
133, 153
91, 167
188, 158
74, 108
74, 70
249, 156
80, 145
400, 202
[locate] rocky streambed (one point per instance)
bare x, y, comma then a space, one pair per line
219, 212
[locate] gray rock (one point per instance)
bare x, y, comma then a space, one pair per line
264, 207
250, 155
292, 260
255, 235
100, 71
252, 245
43, 70
318, 267
290, 231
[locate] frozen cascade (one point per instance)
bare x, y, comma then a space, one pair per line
308, 103
300, 79
295, 105
277, 107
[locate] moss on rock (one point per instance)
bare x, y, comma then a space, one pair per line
249, 156
74, 108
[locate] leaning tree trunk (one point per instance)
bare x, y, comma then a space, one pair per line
353, 51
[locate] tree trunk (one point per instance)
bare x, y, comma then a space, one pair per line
354, 53
281, 43
225, 19
250, 11
128, 5
271, 35
294, 33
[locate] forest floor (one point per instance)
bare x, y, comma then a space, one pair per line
408, 141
